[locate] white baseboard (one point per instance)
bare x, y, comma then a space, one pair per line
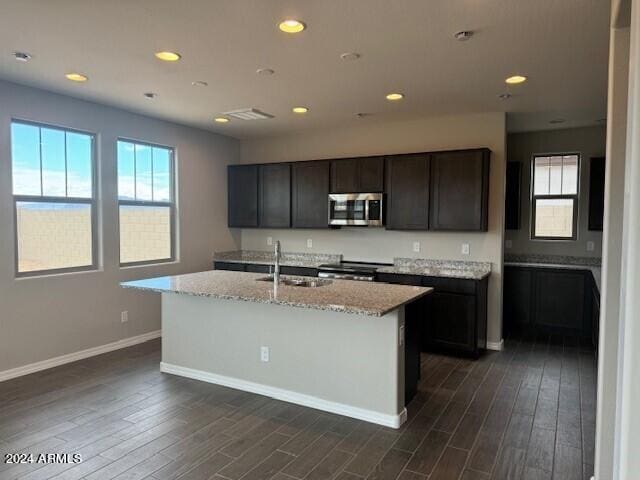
495, 345
393, 421
73, 357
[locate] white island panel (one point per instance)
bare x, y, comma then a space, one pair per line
344, 363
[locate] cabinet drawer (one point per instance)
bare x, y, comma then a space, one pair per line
450, 285
257, 268
233, 266
399, 278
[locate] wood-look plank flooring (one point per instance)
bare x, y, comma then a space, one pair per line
526, 413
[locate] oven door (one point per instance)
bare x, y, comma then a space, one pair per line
363, 209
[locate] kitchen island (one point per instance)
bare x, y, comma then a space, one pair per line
338, 346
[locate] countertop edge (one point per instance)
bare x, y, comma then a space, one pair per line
351, 311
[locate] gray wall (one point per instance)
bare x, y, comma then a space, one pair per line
374, 136
589, 142
45, 317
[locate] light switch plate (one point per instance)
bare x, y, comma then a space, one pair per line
264, 354
416, 247
269, 240
309, 243
590, 246
124, 316
465, 249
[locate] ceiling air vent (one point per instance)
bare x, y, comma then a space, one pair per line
248, 114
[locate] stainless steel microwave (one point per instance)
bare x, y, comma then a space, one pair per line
358, 209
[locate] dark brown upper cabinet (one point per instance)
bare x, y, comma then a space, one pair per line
242, 196
512, 196
459, 190
408, 192
275, 195
596, 193
309, 194
357, 175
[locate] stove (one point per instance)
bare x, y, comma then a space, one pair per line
361, 271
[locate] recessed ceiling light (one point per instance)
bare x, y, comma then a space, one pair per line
76, 77
22, 56
556, 121
265, 71
299, 109
463, 35
395, 96
292, 26
167, 56
150, 95
515, 79
221, 120
199, 83
504, 96
350, 56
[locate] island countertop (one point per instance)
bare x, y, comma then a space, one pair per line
345, 296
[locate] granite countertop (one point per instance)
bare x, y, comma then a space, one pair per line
363, 298
439, 268
557, 261
309, 260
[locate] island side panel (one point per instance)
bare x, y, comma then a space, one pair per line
346, 363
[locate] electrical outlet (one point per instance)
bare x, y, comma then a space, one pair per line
416, 247
264, 354
508, 244
124, 316
465, 249
309, 243
590, 246
269, 240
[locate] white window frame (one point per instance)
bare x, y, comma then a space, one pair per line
92, 202
150, 203
575, 197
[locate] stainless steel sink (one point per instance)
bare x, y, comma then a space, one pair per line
298, 281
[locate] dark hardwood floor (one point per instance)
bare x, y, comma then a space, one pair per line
527, 413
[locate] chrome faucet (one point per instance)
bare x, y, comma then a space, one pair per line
276, 266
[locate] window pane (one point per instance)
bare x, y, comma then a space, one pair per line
25, 155
145, 233
555, 175
570, 175
143, 172
126, 165
161, 174
53, 163
53, 236
79, 154
554, 218
541, 176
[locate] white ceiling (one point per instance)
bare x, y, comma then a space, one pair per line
406, 45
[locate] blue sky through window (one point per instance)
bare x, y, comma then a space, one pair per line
144, 172
51, 162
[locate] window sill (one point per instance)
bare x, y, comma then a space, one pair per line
158, 263
27, 276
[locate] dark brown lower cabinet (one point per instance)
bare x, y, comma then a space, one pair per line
264, 268
544, 299
454, 315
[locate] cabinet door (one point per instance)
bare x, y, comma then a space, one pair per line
512, 196
517, 298
560, 300
450, 321
371, 174
459, 190
310, 194
242, 185
275, 195
344, 176
408, 192
596, 194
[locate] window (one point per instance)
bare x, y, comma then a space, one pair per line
53, 173
146, 203
555, 197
